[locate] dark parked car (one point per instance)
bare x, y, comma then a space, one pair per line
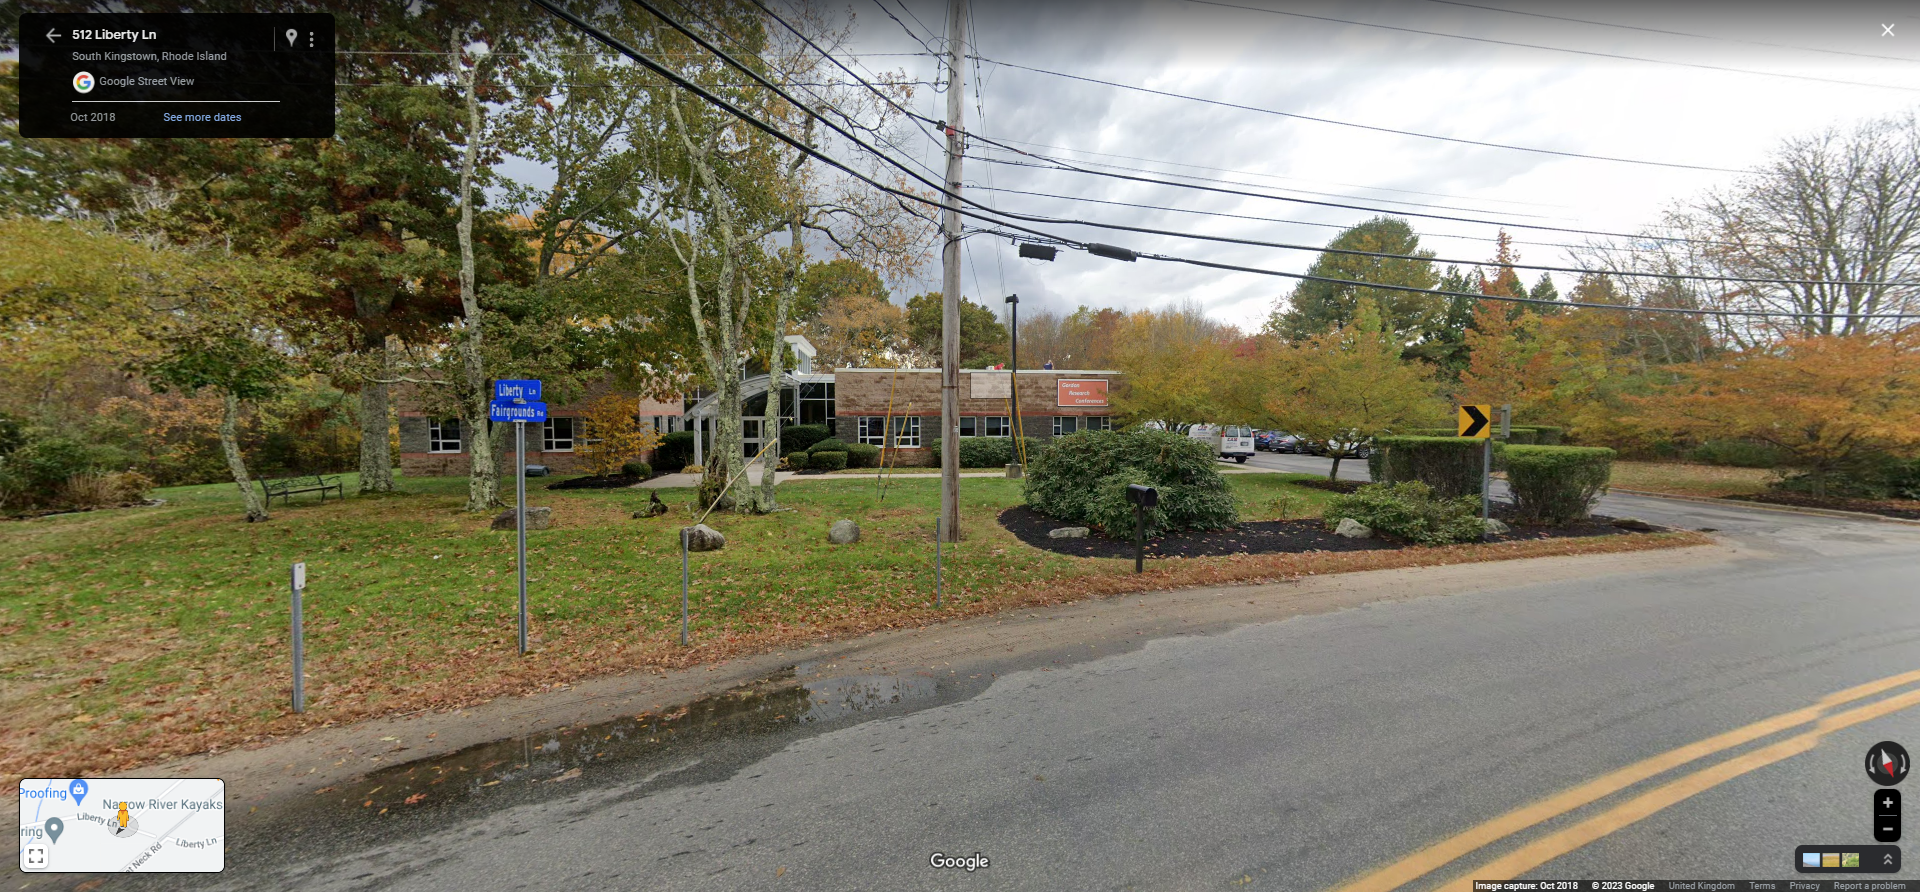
1288, 444
1263, 441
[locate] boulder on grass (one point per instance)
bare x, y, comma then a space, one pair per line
1353, 529
705, 538
1068, 533
843, 532
1497, 528
537, 519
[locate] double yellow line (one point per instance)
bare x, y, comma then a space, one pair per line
1560, 842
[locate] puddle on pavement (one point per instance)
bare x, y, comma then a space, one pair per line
545, 762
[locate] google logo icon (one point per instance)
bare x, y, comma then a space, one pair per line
83, 82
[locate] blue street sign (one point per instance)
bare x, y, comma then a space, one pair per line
505, 391
499, 411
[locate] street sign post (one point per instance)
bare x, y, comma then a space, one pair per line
518, 401
1477, 422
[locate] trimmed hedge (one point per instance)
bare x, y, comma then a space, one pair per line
863, 455
1083, 477
1449, 466
796, 461
637, 469
826, 460
1523, 436
830, 444
1547, 435
981, 452
675, 450
1409, 511
1557, 484
801, 437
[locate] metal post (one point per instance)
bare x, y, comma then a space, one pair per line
950, 276
1139, 539
937, 592
1486, 480
299, 641
520, 518
684, 533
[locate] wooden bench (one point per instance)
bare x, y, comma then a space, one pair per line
285, 489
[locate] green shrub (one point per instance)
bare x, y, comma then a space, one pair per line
827, 460
801, 437
1082, 478
1429, 432
675, 450
38, 472
1557, 484
1450, 466
1409, 511
982, 452
637, 469
796, 461
863, 455
1522, 436
830, 444
1736, 453
1873, 476
1549, 435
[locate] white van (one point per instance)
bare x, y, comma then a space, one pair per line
1230, 441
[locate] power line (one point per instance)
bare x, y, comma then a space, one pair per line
1408, 289
1189, 176
1782, 46
1556, 49
757, 123
1273, 176
1377, 129
1060, 165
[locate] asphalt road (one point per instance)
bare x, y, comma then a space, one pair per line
1304, 754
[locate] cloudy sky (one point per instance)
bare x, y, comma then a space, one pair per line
1800, 68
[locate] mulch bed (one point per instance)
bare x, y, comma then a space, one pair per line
1343, 487
1255, 537
1908, 510
614, 481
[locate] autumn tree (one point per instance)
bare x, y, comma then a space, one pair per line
849, 319
612, 435
1828, 402
1345, 387
1177, 365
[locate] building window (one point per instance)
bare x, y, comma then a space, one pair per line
443, 436
666, 424
557, 435
1096, 423
987, 426
906, 431
1065, 424
816, 404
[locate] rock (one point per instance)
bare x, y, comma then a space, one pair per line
1633, 524
1353, 529
1496, 528
705, 538
843, 532
1068, 533
537, 519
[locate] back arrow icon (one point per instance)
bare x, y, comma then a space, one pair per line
52, 35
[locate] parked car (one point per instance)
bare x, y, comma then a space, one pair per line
1287, 443
1263, 440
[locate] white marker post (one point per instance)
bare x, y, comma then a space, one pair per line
299, 640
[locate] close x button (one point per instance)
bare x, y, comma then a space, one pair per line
1886, 815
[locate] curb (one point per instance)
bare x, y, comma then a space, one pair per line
1763, 506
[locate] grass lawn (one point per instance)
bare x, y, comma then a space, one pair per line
128, 636
1690, 479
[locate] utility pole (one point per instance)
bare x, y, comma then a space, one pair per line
950, 274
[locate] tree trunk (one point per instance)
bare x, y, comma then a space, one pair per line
376, 453
230, 446
727, 455
776, 365
483, 475
1335, 473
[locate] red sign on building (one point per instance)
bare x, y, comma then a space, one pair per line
1082, 392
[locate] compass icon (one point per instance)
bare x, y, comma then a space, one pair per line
1887, 763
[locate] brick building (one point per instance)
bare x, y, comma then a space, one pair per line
440, 447
1052, 402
